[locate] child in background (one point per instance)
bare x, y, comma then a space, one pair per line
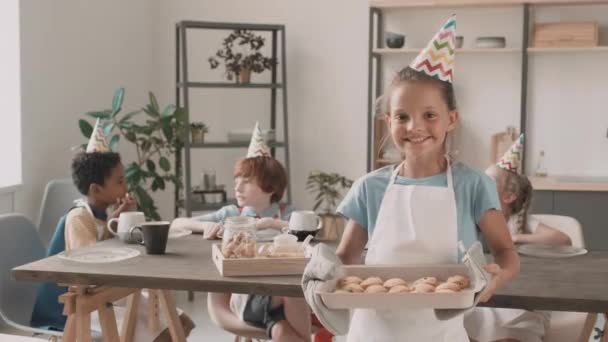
417, 211
260, 183
515, 194
98, 174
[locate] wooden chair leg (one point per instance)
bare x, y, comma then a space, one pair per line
587, 327
130, 322
170, 311
107, 318
83, 326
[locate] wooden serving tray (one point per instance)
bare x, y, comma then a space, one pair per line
458, 300
256, 266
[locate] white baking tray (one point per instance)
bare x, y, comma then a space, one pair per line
458, 300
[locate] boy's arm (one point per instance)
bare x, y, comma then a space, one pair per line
80, 230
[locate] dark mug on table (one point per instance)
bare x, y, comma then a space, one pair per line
154, 236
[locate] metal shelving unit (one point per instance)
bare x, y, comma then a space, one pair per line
182, 94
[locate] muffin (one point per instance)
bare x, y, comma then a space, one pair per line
394, 282
375, 289
371, 281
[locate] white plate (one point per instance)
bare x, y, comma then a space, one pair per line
544, 251
99, 255
177, 233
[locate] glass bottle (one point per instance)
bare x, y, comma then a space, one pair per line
541, 168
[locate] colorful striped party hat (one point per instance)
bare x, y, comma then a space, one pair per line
437, 59
97, 141
511, 160
257, 146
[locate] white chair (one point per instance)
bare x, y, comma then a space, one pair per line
59, 196
19, 244
565, 326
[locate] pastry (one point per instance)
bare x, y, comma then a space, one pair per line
355, 288
399, 289
462, 281
371, 281
453, 287
350, 280
423, 287
394, 282
428, 280
375, 289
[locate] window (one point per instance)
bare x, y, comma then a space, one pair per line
10, 95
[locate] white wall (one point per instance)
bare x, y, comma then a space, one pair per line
327, 82
74, 55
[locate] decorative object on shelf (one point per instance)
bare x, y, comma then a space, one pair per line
459, 42
490, 42
437, 58
501, 142
541, 168
208, 180
241, 55
556, 35
156, 142
395, 40
327, 189
197, 131
241, 135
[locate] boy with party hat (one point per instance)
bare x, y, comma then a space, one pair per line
260, 182
515, 195
98, 174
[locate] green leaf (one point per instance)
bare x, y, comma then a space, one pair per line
114, 143
150, 165
168, 111
130, 136
133, 175
107, 130
100, 115
129, 115
164, 164
153, 103
158, 183
85, 128
126, 125
117, 101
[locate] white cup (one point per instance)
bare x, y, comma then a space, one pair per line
126, 221
305, 220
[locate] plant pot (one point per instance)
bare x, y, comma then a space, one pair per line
198, 136
244, 76
333, 227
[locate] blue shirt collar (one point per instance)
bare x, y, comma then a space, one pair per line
271, 211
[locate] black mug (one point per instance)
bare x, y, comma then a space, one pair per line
155, 235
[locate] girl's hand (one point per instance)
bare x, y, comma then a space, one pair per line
495, 283
124, 204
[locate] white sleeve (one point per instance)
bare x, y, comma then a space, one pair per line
532, 224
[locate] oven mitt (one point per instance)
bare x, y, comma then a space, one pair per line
475, 260
321, 275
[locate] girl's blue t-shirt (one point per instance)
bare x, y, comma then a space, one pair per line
474, 191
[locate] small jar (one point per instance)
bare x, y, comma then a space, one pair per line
238, 240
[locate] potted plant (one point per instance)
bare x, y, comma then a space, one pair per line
240, 54
327, 189
157, 140
198, 130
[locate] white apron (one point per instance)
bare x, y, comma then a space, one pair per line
416, 225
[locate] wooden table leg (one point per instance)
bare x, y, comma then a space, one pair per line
130, 322
153, 320
605, 337
190, 296
69, 333
170, 311
588, 327
69, 309
83, 324
108, 322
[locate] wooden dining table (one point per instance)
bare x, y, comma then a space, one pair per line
567, 284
